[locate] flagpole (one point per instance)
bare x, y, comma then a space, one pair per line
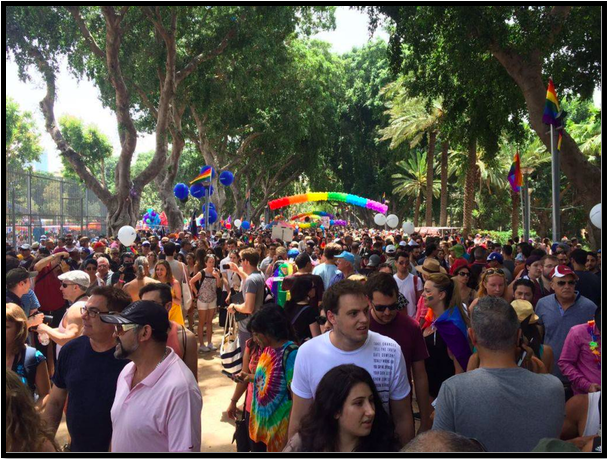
556, 188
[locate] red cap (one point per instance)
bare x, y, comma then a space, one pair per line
457, 265
99, 245
562, 271
60, 249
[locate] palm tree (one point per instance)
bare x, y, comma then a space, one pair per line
413, 181
411, 119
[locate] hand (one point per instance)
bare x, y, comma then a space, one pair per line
121, 269
43, 328
594, 388
65, 267
35, 320
231, 308
233, 266
228, 298
231, 411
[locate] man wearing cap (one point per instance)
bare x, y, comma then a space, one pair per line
371, 266
18, 284
562, 310
26, 256
390, 256
496, 261
74, 285
158, 404
99, 247
505, 407
345, 267
87, 372
328, 268
411, 286
146, 248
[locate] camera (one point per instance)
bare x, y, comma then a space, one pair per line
225, 266
47, 319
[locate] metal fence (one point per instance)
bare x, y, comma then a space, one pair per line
38, 204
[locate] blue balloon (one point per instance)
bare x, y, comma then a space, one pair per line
211, 207
226, 178
332, 222
209, 190
181, 191
212, 217
245, 225
197, 190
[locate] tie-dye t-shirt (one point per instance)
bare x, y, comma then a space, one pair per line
272, 402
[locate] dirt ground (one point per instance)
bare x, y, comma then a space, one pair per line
217, 390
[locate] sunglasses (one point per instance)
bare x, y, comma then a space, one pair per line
120, 329
64, 285
321, 320
563, 283
91, 268
463, 274
491, 271
383, 307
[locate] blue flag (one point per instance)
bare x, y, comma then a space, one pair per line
454, 333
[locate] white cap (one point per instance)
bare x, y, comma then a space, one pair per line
77, 277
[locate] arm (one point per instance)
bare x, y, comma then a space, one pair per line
218, 279
43, 384
548, 358
177, 290
248, 306
193, 281
54, 408
315, 329
300, 408
402, 415
72, 329
241, 387
575, 410
570, 356
53, 261
191, 352
422, 391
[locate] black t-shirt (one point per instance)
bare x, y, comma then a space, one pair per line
589, 286
302, 325
90, 379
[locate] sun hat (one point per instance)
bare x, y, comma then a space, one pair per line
523, 310
431, 266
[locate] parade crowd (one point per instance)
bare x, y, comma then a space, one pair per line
350, 340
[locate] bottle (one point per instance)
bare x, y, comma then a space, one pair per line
44, 339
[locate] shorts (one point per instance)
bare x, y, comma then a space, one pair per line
201, 306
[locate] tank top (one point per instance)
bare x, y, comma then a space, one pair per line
208, 289
593, 417
173, 340
439, 365
61, 328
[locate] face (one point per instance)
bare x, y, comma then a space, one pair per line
145, 249
210, 263
549, 265
160, 271
535, 269
463, 276
591, 263
432, 295
402, 266
155, 296
90, 269
68, 289
151, 258
564, 287
115, 254
358, 412
92, 326
352, 318
262, 340
563, 258
127, 342
103, 266
69, 240
494, 285
380, 312
523, 293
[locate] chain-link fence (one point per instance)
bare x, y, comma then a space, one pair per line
38, 204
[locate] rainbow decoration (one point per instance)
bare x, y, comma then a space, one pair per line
318, 213
552, 113
515, 177
328, 196
205, 174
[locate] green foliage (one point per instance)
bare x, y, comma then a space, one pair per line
22, 139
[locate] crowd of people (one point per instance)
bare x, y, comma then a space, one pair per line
351, 340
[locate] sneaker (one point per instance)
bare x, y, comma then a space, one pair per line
211, 347
203, 348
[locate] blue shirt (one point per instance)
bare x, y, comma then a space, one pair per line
327, 272
557, 323
29, 302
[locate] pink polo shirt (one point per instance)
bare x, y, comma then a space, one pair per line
160, 414
577, 361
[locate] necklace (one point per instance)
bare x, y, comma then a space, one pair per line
166, 353
594, 344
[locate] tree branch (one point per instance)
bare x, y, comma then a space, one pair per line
88, 38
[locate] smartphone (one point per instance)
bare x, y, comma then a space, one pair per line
522, 359
231, 376
225, 266
47, 319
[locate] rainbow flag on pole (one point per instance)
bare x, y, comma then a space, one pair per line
551, 112
515, 176
204, 175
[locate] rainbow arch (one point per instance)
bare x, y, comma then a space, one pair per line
317, 213
328, 196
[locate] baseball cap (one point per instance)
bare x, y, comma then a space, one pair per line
390, 249
374, 260
99, 245
25, 247
412, 243
402, 243
141, 313
77, 277
523, 310
14, 276
35, 246
519, 257
562, 271
146, 243
347, 256
292, 253
59, 250
493, 256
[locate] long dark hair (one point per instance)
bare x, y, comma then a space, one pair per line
319, 430
271, 321
299, 292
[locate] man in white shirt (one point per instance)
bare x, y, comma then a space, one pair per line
351, 342
409, 285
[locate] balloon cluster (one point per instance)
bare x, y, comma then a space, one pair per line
201, 186
152, 218
245, 225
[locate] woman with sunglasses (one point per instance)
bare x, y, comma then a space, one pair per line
345, 416
461, 273
492, 283
164, 274
300, 313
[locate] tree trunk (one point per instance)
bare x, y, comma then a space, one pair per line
122, 212
444, 175
469, 188
430, 177
516, 199
418, 203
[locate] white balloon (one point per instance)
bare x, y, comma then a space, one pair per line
237, 223
595, 215
380, 219
392, 221
127, 235
408, 227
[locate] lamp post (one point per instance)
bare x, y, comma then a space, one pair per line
526, 171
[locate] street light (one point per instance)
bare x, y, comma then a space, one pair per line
526, 171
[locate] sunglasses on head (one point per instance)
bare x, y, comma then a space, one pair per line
491, 271
383, 307
563, 283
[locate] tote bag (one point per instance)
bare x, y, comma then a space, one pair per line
230, 351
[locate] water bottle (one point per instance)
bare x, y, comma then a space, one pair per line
44, 339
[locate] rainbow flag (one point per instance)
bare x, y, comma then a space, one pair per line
515, 176
204, 176
551, 112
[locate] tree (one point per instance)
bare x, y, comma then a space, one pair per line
412, 183
22, 140
526, 42
411, 119
93, 146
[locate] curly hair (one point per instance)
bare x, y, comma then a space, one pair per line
25, 430
319, 430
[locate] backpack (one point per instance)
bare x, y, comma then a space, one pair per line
285, 357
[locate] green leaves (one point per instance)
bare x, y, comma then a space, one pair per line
22, 139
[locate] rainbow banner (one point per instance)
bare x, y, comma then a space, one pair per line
205, 175
328, 196
515, 176
551, 112
318, 213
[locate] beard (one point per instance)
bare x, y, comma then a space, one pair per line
123, 353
